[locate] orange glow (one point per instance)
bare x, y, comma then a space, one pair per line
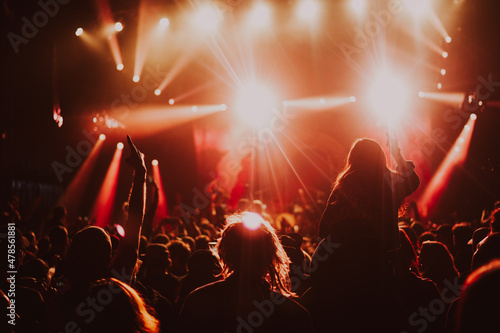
73, 195
154, 118
251, 221
260, 16
308, 9
161, 210
164, 22
106, 18
206, 18
255, 103
103, 206
455, 157
315, 103
452, 99
388, 98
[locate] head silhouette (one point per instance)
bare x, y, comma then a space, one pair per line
250, 248
89, 255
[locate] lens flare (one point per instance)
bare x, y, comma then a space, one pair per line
255, 103
251, 221
388, 97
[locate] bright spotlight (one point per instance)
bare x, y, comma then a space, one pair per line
352, 99
206, 18
164, 22
443, 71
461, 139
419, 8
79, 32
457, 149
223, 107
421, 94
447, 39
194, 108
251, 221
308, 9
439, 85
102, 137
154, 162
157, 92
119, 67
388, 97
171, 101
322, 101
260, 16
255, 103
467, 128
445, 54
136, 78
473, 116
119, 145
118, 26
358, 6
94, 120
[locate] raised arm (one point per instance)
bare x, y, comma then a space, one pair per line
126, 255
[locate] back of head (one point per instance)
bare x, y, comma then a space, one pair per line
179, 250
495, 220
478, 235
89, 255
161, 239
462, 233
406, 253
202, 242
250, 248
479, 303
487, 250
157, 256
202, 263
119, 309
366, 156
426, 236
58, 236
436, 261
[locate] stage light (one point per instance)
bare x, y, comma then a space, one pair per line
439, 85
118, 26
79, 32
251, 221
164, 22
421, 94
447, 39
443, 71
308, 9
473, 116
120, 230
388, 97
260, 16
119, 145
136, 78
358, 6
102, 137
194, 108
461, 139
206, 18
255, 103
322, 101
457, 149
157, 92
445, 54
352, 99
94, 120
171, 101
223, 107
466, 128
418, 8
119, 67
154, 162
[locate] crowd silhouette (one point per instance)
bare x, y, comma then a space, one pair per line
364, 265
